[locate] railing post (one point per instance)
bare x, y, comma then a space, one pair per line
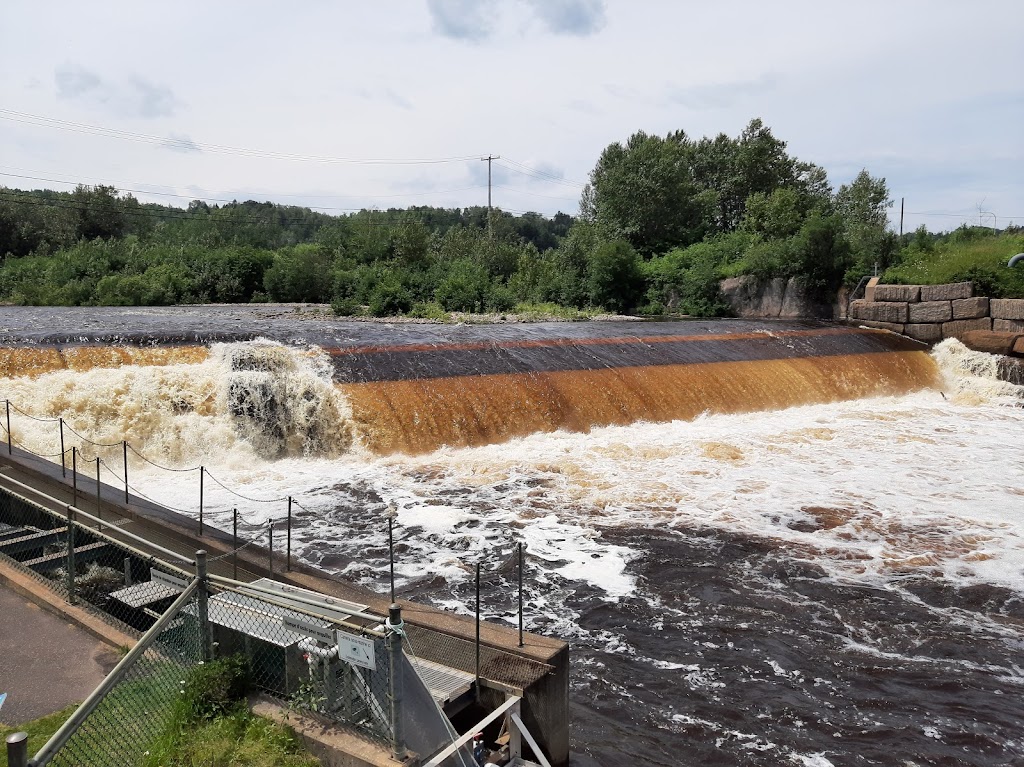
234, 542
10, 449
478, 632
74, 476
70, 563
63, 464
124, 448
203, 604
270, 545
520, 593
288, 549
17, 749
391, 552
396, 681
99, 508
202, 471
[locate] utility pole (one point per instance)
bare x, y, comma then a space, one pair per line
488, 159
902, 199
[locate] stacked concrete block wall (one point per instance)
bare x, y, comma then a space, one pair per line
931, 313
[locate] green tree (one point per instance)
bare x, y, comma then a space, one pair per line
863, 205
614, 280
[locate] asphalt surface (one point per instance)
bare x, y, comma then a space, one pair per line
46, 663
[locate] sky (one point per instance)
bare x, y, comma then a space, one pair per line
344, 105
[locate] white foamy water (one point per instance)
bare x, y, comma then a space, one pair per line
870, 490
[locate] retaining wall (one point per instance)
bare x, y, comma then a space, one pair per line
930, 313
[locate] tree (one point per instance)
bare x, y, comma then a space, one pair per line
644, 193
863, 206
614, 280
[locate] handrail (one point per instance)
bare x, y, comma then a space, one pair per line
66, 730
326, 602
465, 738
91, 518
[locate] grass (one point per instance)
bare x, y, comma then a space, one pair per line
961, 257
39, 731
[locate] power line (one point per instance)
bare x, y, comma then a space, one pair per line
190, 145
526, 170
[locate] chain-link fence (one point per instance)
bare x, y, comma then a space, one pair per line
134, 708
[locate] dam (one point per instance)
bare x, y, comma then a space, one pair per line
766, 542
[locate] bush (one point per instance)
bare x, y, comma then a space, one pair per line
390, 298
214, 689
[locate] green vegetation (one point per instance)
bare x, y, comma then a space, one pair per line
969, 253
662, 220
39, 731
210, 726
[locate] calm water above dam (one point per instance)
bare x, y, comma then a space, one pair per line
836, 582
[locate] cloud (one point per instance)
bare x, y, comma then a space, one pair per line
470, 20
580, 18
136, 97
722, 96
177, 142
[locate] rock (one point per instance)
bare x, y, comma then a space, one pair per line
749, 297
895, 327
931, 311
1008, 326
1018, 347
948, 292
1007, 308
989, 341
956, 328
880, 311
897, 293
929, 333
970, 308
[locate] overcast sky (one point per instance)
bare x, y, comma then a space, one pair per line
237, 100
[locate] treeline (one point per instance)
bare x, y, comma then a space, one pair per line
661, 221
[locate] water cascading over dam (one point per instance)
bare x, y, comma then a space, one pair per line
422, 387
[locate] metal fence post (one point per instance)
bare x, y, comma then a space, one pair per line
396, 681
478, 632
288, 549
70, 563
520, 593
391, 552
10, 449
202, 471
74, 476
203, 604
99, 509
17, 749
234, 542
124, 448
63, 465
270, 545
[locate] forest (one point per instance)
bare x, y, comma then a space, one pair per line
661, 222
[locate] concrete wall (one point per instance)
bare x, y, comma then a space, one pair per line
931, 313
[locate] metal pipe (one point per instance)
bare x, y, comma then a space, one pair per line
202, 578
124, 447
1016, 259
396, 681
70, 563
202, 471
131, 536
529, 739
99, 508
327, 602
74, 476
391, 553
63, 465
288, 549
17, 749
270, 545
66, 730
520, 593
478, 631
234, 542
